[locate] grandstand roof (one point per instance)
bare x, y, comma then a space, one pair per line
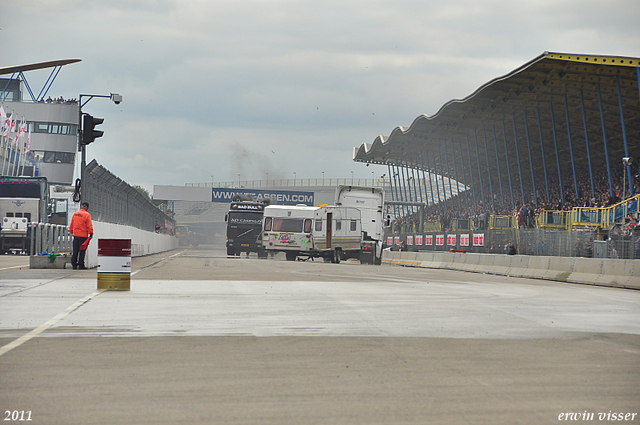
35, 66
554, 93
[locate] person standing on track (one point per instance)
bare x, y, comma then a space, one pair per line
81, 228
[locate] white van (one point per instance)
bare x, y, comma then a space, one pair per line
330, 232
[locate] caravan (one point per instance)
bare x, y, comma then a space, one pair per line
352, 228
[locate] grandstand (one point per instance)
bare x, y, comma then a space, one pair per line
539, 148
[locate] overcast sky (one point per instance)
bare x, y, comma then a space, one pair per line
217, 88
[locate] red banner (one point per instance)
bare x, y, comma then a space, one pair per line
428, 240
418, 239
478, 239
439, 240
451, 240
409, 240
464, 240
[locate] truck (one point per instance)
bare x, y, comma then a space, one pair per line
244, 224
352, 228
23, 200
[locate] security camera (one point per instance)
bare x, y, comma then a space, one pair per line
116, 98
626, 161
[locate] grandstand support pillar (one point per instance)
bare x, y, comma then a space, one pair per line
555, 142
544, 161
398, 188
431, 183
446, 159
415, 189
515, 141
435, 170
444, 188
533, 179
484, 201
393, 195
473, 185
586, 139
604, 139
424, 183
486, 154
573, 163
495, 145
464, 176
455, 173
624, 136
506, 153
404, 183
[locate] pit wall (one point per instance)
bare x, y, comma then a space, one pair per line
142, 242
590, 271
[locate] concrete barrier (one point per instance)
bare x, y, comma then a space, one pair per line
44, 262
142, 243
592, 271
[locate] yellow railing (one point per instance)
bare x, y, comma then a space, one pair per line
503, 222
553, 220
586, 218
461, 224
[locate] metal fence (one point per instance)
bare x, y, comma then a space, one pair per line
49, 238
113, 201
537, 242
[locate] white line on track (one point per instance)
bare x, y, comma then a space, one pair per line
14, 267
18, 342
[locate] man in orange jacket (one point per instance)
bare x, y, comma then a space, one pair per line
81, 228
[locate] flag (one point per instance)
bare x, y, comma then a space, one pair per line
28, 147
85, 245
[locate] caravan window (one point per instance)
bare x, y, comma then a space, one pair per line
354, 225
287, 225
267, 224
318, 225
338, 224
307, 225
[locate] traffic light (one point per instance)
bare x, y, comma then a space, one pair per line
89, 132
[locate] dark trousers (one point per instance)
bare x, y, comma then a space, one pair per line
77, 259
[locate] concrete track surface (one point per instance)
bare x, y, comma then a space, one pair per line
205, 339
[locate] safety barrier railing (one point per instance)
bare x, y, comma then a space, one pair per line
503, 222
553, 220
461, 225
586, 217
49, 238
622, 209
432, 226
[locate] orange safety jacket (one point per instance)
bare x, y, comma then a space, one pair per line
81, 225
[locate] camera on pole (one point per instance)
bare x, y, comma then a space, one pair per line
89, 132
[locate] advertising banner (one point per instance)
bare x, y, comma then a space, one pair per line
428, 240
397, 240
439, 240
451, 240
277, 197
389, 240
409, 240
418, 239
464, 240
478, 239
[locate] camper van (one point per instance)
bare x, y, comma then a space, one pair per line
329, 232
352, 228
